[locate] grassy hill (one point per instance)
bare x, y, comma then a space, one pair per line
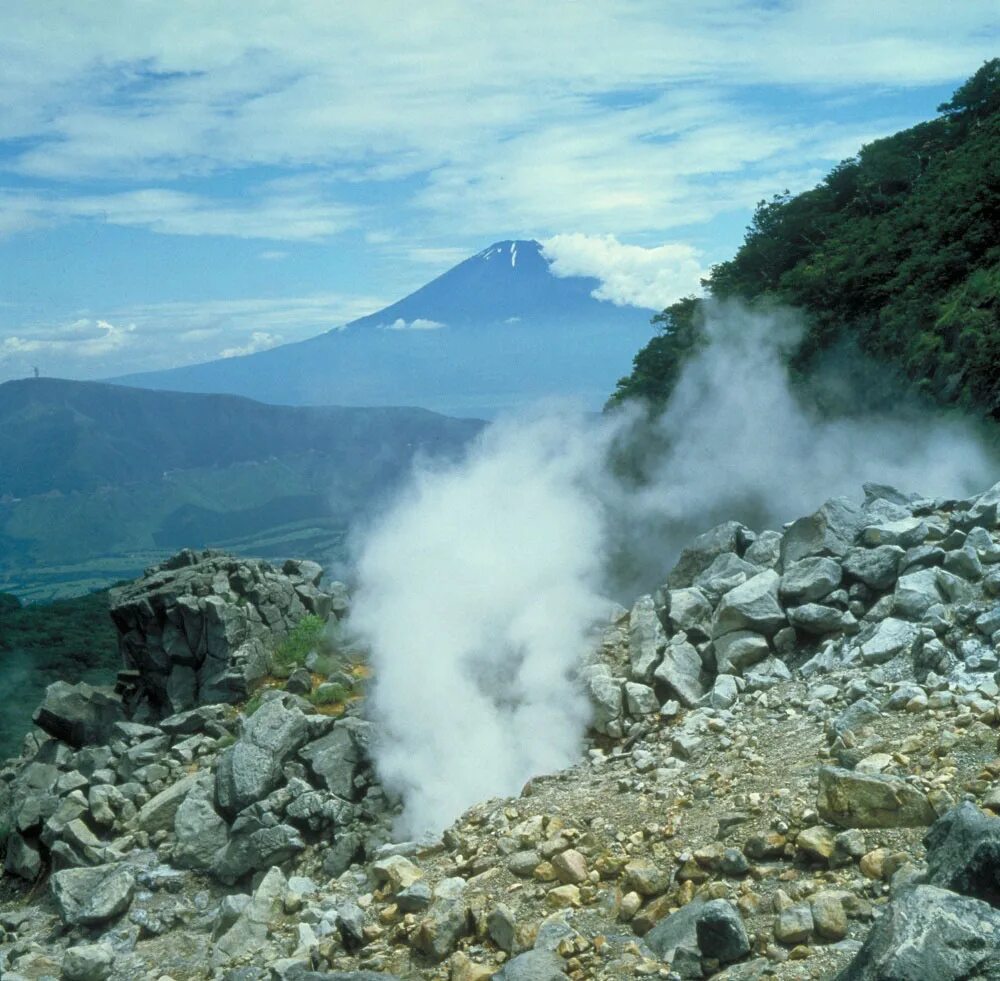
895, 255
99, 481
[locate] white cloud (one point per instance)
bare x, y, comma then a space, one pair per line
146, 337
419, 324
260, 340
630, 274
555, 116
83, 338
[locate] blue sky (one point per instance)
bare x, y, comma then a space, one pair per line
181, 181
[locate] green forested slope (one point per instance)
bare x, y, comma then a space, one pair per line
896, 254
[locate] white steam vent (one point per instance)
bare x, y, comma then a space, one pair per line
477, 591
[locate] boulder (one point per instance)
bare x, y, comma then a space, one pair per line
738, 650
646, 639
533, 965
247, 933
691, 612
809, 579
680, 671
700, 554
79, 714
335, 759
250, 769
905, 532
201, 834
857, 800
817, 620
963, 853
720, 932
752, 606
158, 813
875, 567
832, 530
925, 933
88, 962
916, 593
891, 638
90, 897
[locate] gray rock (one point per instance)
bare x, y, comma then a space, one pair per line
832, 530
876, 567
501, 925
533, 965
678, 931
247, 933
726, 572
964, 562
680, 671
89, 897
736, 651
809, 579
250, 769
335, 759
857, 800
891, 638
765, 552
443, 925
605, 694
927, 933
254, 846
700, 554
720, 932
856, 715
88, 962
766, 674
646, 639
905, 532
963, 853
79, 714
916, 593
201, 834
22, 858
816, 619
641, 699
158, 813
691, 612
752, 606
414, 898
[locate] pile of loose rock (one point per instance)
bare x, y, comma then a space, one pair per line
793, 774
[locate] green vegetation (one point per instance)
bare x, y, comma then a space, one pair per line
291, 653
70, 640
896, 254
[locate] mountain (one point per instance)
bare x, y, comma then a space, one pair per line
895, 256
494, 332
97, 481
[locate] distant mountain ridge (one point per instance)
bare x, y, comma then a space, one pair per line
98, 481
495, 332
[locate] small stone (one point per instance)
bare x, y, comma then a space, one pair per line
570, 866
563, 897
88, 962
817, 841
829, 917
794, 925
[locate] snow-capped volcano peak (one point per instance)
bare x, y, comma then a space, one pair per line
511, 251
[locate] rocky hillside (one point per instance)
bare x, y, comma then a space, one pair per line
792, 772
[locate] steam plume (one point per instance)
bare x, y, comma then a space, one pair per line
478, 588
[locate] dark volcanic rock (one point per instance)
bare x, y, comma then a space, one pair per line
930, 933
79, 714
963, 853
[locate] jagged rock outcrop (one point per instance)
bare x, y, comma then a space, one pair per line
200, 628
